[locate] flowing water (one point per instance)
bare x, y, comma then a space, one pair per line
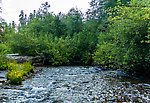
77, 85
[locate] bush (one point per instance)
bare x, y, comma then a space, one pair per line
17, 71
23, 44
15, 76
125, 44
59, 51
26, 68
3, 61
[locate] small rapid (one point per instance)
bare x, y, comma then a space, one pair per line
68, 84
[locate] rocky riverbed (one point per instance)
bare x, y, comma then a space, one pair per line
77, 85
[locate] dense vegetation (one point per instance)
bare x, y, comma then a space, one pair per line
112, 33
16, 71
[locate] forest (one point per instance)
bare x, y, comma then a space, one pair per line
112, 33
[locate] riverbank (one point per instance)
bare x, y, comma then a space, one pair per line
4, 82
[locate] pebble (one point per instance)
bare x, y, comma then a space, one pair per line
2, 80
1, 84
75, 85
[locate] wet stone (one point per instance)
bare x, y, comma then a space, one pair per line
2, 74
2, 80
1, 84
76, 85
57, 101
2, 77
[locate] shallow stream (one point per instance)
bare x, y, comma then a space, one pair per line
77, 85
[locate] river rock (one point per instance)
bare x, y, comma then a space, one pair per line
74, 85
36, 60
2, 74
2, 80
0, 84
38, 90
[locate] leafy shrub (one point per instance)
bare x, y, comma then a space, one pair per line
60, 51
26, 68
15, 76
23, 44
3, 61
17, 71
125, 44
85, 44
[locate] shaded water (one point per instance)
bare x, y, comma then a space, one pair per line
77, 85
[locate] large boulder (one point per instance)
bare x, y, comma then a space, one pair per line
20, 59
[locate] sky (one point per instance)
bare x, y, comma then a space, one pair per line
11, 8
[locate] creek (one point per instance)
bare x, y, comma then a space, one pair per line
77, 84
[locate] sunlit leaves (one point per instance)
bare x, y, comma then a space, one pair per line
124, 45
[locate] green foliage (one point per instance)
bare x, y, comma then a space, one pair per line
26, 68
124, 45
15, 76
22, 44
62, 39
3, 61
17, 71
115, 33
65, 51
73, 21
86, 43
98, 8
48, 25
58, 52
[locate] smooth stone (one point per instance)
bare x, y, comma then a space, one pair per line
57, 101
85, 82
2, 80
16, 54
2, 74
62, 89
37, 90
148, 85
1, 84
